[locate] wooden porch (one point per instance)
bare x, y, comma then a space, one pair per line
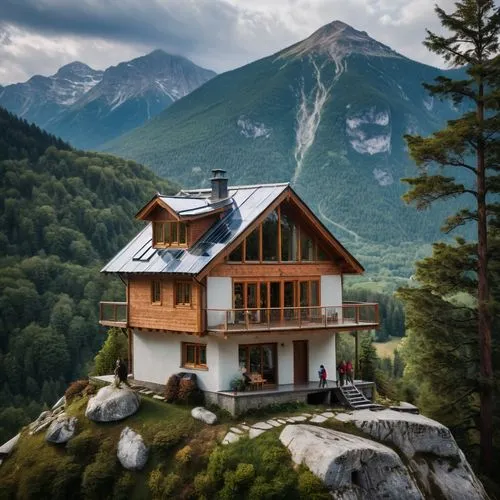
113, 314
348, 316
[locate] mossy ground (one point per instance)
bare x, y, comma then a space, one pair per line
186, 460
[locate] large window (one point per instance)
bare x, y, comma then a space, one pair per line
259, 359
156, 292
194, 355
172, 233
182, 293
279, 239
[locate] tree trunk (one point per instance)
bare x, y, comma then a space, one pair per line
484, 320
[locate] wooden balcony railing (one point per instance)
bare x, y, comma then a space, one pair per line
113, 314
359, 316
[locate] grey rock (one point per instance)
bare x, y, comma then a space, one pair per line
132, 452
318, 419
60, 403
112, 403
231, 437
262, 425
435, 458
350, 466
200, 413
61, 430
7, 447
253, 433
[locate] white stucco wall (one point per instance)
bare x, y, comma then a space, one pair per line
331, 293
219, 296
158, 355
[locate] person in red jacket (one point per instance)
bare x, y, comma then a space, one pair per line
322, 376
341, 369
349, 371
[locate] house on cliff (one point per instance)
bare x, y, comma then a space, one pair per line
232, 279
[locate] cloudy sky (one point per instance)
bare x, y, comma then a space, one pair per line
39, 36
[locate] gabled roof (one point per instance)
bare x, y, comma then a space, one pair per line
185, 204
247, 203
244, 206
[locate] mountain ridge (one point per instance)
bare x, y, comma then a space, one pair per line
332, 122
87, 106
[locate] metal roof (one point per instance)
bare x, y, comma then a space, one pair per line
247, 203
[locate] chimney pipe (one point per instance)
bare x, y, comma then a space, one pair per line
219, 185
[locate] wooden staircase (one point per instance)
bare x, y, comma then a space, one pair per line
356, 400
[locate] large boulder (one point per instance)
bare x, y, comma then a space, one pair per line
434, 456
112, 403
61, 430
200, 413
132, 452
350, 466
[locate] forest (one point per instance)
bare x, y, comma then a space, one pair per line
62, 214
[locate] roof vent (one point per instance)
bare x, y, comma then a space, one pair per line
219, 185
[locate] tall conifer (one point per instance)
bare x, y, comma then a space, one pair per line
469, 149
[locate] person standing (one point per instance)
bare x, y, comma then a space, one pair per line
349, 371
341, 370
322, 376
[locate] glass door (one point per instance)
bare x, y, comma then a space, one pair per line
275, 300
252, 304
289, 301
264, 302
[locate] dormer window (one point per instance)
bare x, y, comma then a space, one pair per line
169, 234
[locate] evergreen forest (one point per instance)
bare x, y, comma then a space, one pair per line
62, 214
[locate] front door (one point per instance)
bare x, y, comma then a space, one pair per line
300, 364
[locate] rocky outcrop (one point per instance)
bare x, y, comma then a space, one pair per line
200, 413
61, 430
112, 403
6, 448
434, 457
132, 452
351, 467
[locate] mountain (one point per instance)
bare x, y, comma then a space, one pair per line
327, 114
88, 107
62, 214
42, 98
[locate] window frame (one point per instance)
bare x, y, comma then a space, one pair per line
174, 228
300, 231
183, 285
197, 365
156, 292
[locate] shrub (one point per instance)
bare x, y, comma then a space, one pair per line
311, 487
204, 485
170, 484
116, 346
187, 390
84, 446
37, 480
244, 474
172, 389
155, 483
165, 440
99, 476
184, 455
163, 486
66, 483
124, 486
76, 388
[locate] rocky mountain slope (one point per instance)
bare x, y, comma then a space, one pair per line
88, 107
327, 114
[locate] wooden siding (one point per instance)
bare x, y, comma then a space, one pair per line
165, 315
312, 270
198, 227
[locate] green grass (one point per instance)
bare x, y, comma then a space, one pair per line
386, 349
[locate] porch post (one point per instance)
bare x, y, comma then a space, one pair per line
356, 352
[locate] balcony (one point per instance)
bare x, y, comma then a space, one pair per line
113, 314
348, 316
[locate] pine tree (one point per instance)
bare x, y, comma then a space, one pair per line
468, 147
